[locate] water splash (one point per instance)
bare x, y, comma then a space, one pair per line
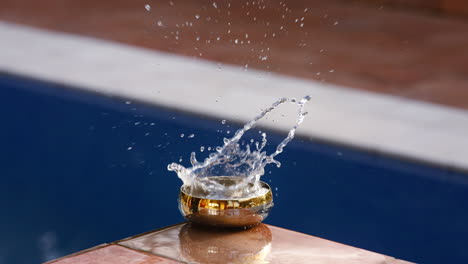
246, 166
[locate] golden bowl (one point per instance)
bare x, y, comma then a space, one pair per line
237, 212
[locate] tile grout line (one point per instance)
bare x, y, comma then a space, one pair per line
149, 253
78, 253
148, 232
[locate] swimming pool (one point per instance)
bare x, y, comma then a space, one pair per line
80, 169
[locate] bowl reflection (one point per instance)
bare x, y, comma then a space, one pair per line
201, 244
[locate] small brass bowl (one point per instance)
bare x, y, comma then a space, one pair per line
246, 212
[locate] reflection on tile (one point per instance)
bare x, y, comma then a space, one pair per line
261, 244
202, 245
113, 255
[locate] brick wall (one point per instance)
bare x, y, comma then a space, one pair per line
459, 7
447, 7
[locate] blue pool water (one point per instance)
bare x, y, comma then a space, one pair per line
68, 181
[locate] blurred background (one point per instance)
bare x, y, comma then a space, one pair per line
414, 48
80, 169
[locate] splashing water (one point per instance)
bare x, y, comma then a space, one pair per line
243, 166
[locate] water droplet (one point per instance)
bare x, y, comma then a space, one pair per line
130, 148
182, 135
148, 7
215, 5
128, 102
336, 23
223, 121
159, 23
231, 155
191, 136
197, 16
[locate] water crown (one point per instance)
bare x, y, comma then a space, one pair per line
233, 164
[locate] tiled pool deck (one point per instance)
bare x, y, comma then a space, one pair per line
185, 243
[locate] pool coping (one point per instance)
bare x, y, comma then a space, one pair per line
283, 244
383, 124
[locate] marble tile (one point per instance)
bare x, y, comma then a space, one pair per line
261, 244
113, 254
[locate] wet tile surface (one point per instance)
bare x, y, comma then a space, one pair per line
372, 47
261, 244
399, 261
113, 254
